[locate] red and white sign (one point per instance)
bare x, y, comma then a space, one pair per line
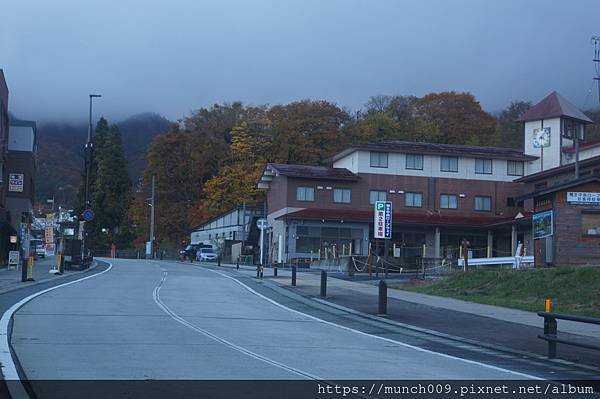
49, 234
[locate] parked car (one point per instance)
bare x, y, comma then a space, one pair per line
206, 254
40, 251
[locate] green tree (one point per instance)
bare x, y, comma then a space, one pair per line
509, 130
110, 192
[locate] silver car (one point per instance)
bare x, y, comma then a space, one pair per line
206, 254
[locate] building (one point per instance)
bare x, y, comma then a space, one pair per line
237, 225
5, 229
21, 169
440, 194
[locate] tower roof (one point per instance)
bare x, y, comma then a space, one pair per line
554, 106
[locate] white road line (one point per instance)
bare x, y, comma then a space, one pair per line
489, 366
9, 370
179, 319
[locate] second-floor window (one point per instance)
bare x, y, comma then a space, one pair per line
305, 193
483, 203
342, 195
414, 161
483, 166
413, 200
449, 164
375, 196
379, 159
514, 168
448, 201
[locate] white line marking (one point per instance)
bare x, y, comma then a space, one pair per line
9, 370
177, 318
376, 336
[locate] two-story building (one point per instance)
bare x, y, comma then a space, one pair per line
440, 194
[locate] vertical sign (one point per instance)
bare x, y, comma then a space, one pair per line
15, 182
49, 234
382, 223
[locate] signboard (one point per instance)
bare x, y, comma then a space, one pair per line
583, 198
13, 258
88, 215
382, 223
148, 248
542, 225
261, 224
50, 249
15, 182
49, 234
541, 137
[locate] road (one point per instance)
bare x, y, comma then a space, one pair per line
161, 320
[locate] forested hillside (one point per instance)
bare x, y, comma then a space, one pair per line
60, 153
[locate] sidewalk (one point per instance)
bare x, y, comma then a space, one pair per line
10, 280
308, 280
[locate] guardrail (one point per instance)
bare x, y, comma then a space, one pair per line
551, 331
515, 261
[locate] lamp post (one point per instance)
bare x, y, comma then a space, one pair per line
88, 163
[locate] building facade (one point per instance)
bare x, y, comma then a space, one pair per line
440, 194
5, 228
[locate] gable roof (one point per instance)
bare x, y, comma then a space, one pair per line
553, 106
312, 172
413, 147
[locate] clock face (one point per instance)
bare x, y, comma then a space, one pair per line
541, 137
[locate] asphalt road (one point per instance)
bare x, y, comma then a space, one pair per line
158, 320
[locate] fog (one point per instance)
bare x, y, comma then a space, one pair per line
175, 56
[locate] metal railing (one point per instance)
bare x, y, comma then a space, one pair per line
551, 331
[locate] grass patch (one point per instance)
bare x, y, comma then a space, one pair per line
572, 289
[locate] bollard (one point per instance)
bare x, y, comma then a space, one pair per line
275, 271
323, 283
24, 267
237, 264
294, 276
219, 260
262, 269
30, 269
257, 271
382, 309
550, 328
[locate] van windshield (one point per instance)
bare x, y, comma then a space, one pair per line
207, 251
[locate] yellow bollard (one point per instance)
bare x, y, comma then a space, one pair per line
58, 263
30, 269
548, 305
350, 249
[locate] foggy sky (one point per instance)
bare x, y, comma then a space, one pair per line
175, 56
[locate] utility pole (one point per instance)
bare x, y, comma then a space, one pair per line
152, 219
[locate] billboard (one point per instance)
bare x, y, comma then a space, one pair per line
382, 223
542, 225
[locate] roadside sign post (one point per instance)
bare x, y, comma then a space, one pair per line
262, 225
382, 228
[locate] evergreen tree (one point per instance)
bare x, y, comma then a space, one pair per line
110, 192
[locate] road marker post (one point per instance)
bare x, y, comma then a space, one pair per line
293, 276
382, 308
24, 267
323, 283
275, 271
30, 269
548, 305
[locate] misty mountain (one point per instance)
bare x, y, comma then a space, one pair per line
60, 153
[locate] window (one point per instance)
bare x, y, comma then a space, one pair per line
305, 193
413, 200
375, 196
379, 159
414, 161
590, 223
483, 203
514, 168
449, 164
483, 166
342, 195
510, 202
448, 201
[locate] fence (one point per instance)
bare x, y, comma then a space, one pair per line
551, 331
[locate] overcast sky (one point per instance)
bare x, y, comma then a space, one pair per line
174, 56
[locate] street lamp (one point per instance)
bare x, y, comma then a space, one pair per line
88, 162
